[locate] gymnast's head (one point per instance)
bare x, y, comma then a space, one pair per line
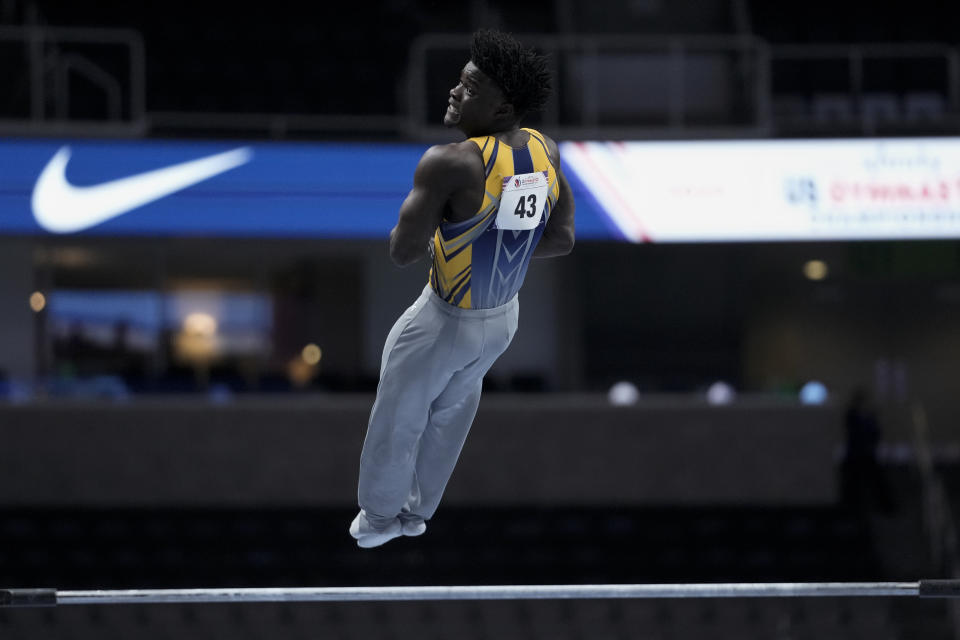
502, 82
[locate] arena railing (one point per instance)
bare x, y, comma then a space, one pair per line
851, 61
51, 64
679, 64
672, 86
599, 78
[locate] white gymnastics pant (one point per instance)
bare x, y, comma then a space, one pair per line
431, 375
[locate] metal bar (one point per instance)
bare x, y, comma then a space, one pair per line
49, 597
585, 49
417, 89
35, 55
72, 128
856, 86
588, 96
96, 75
868, 49
570, 41
92, 35
551, 114
264, 120
37, 38
763, 117
138, 79
953, 80
268, 122
677, 110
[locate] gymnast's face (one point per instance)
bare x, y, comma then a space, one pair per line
476, 106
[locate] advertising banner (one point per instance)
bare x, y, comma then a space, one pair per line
159, 188
726, 191
744, 191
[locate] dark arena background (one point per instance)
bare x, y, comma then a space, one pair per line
745, 372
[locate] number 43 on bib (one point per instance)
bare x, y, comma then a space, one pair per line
523, 201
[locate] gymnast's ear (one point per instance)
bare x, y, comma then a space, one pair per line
506, 111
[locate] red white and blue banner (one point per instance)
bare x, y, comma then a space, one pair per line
745, 191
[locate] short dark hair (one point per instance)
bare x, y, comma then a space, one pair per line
520, 72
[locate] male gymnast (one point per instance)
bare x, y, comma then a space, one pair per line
481, 209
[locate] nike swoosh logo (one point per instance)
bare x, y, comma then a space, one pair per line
60, 207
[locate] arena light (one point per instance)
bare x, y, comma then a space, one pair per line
814, 393
38, 301
623, 394
200, 324
311, 354
816, 270
720, 393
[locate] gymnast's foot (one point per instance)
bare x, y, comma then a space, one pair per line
367, 535
412, 524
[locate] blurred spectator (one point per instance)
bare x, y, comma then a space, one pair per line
862, 482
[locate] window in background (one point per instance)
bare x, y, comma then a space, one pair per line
146, 340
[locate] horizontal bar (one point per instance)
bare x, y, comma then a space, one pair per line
940, 588
28, 597
572, 42
89, 35
269, 121
869, 49
924, 588
72, 128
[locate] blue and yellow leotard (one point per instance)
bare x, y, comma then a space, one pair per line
475, 264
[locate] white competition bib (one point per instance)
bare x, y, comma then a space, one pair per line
523, 201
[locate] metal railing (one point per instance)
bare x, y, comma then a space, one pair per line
938, 516
680, 59
50, 70
855, 56
275, 125
852, 102
584, 101
606, 86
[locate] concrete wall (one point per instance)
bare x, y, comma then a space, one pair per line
523, 450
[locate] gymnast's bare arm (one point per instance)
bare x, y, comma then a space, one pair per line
445, 181
558, 235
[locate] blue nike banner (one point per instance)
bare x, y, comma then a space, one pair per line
215, 189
